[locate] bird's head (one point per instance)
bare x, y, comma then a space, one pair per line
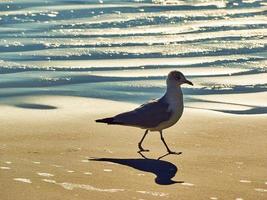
177, 78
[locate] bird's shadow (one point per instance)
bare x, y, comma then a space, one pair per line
163, 170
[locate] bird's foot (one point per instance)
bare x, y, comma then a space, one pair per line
141, 149
175, 153
169, 153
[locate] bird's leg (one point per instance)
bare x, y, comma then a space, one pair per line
166, 154
140, 143
169, 151
141, 154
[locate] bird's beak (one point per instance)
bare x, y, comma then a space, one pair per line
188, 82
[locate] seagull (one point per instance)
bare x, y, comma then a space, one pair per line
158, 114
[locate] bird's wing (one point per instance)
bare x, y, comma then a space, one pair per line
147, 115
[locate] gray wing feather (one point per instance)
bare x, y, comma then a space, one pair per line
147, 115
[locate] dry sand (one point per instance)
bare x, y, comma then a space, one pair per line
44, 154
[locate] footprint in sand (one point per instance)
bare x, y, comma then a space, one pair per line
260, 190
244, 181
5, 168
24, 180
213, 198
87, 173
44, 174
49, 181
57, 166
187, 184
71, 186
156, 194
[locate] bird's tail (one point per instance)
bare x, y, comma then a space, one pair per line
109, 120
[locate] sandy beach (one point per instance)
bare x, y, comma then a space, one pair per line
66, 63
51, 148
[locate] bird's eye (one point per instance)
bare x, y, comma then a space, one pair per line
177, 77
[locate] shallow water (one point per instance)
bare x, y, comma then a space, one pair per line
123, 49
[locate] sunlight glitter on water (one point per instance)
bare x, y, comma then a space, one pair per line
113, 46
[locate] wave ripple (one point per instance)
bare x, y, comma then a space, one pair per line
123, 50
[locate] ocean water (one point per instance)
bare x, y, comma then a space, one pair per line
123, 49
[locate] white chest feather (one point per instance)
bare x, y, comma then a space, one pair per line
176, 107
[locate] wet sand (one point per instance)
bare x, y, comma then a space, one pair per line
51, 148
